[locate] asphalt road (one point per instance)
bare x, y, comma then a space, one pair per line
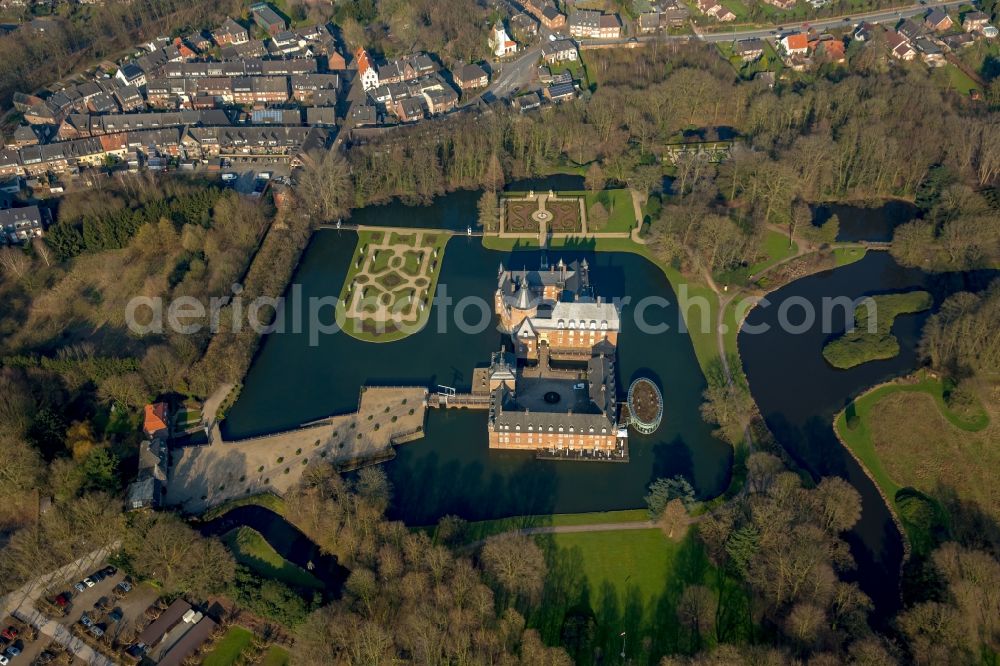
880, 16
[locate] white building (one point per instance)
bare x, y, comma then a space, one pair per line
500, 42
367, 71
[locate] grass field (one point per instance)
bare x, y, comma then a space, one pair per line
228, 650
776, 248
629, 580
275, 656
907, 437
252, 550
862, 344
621, 213
959, 80
641, 558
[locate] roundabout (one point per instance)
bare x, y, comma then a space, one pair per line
645, 406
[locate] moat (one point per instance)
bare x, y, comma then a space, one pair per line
452, 470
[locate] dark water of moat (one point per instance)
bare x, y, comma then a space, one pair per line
451, 470
799, 393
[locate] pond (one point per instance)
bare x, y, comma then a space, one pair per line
451, 470
799, 393
870, 223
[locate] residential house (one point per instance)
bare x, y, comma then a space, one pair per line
865, 31
470, 77
230, 32
409, 109
24, 135
781, 4
440, 99
749, 49
154, 423
20, 225
546, 12
363, 114
366, 70
958, 42
406, 69
268, 19
830, 50
527, 102
10, 163
305, 86
131, 75
585, 23
198, 42
523, 27
150, 485
938, 20
714, 9
561, 50
930, 52
795, 43
130, 99
912, 30
335, 61
975, 21
252, 48
553, 19
500, 42
103, 103
560, 92
323, 116
260, 89
669, 15
899, 46
276, 117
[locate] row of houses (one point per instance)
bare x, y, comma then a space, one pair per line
914, 38
589, 24
20, 225
663, 15
546, 13
715, 9
416, 98
188, 142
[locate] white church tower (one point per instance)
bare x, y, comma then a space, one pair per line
500, 42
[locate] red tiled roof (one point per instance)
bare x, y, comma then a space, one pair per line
155, 418
797, 41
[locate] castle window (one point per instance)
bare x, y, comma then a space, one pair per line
517, 427
561, 323
593, 325
529, 428
560, 428
604, 431
591, 429
604, 325
572, 324
550, 428
571, 429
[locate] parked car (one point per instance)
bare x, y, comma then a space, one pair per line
116, 615
4, 660
12, 651
62, 600
86, 621
109, 570
89, 582
97, 576
10, 633
45, 657
124, 586
80, 587
97, 630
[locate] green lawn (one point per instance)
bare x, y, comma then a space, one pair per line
275, 656
252, 550
228, 650
862, 345
630, 580
621, 216
848, 255
643, 558
959, 80
775, 249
